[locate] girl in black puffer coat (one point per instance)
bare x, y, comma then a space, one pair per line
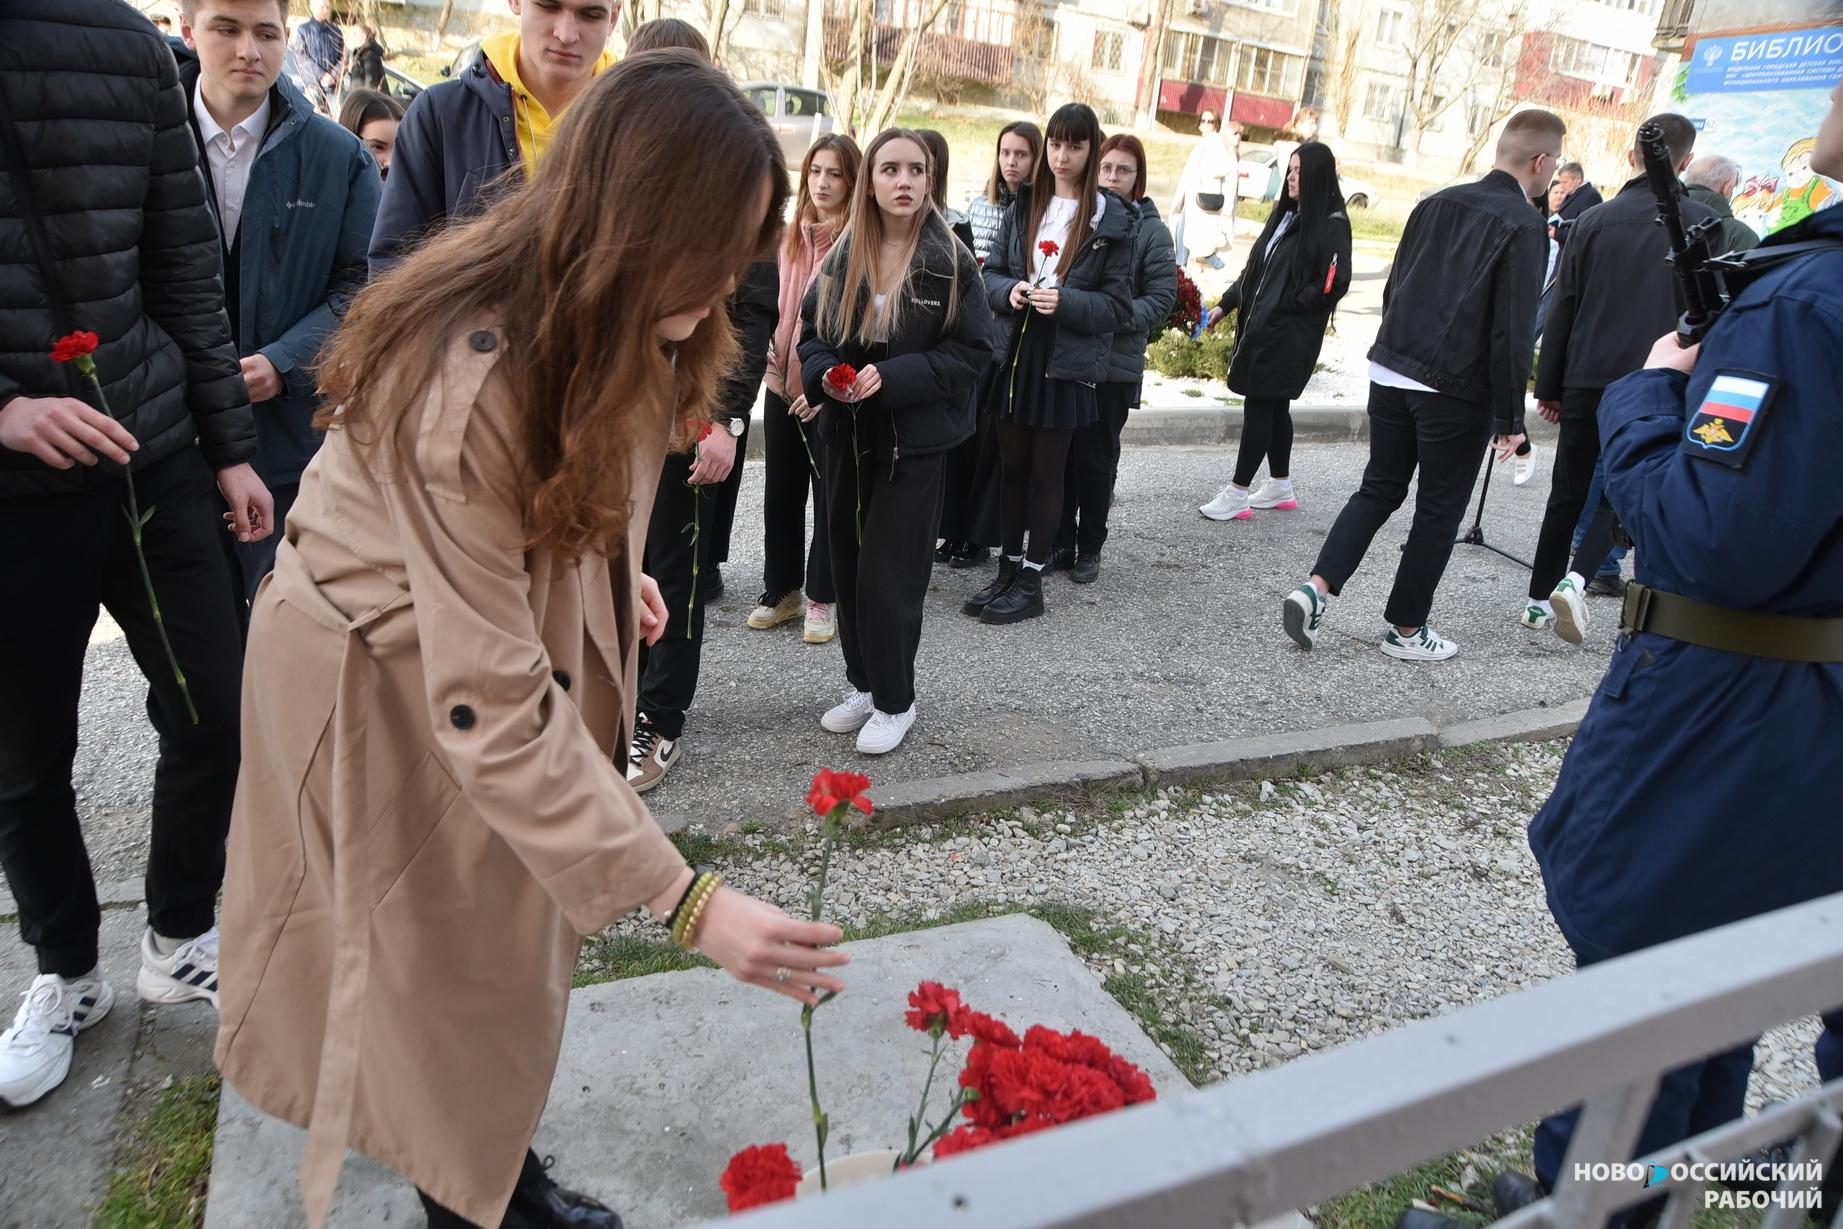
1297, 271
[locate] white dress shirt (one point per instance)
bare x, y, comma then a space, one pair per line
230, 155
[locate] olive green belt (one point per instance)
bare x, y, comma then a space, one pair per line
1755, 634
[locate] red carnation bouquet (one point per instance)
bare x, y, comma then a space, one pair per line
841, 377
1009, 1086
1187, 313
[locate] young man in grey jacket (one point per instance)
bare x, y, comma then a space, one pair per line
295, 196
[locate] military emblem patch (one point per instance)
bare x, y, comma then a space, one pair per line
1724, 426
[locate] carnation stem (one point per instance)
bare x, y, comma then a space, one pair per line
946, 1125
135, 522
820, 1121
921, 1112
811, 461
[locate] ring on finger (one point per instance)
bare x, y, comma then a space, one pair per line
782, 974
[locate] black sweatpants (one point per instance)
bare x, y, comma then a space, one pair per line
788, 563
1445, 439
679, 534
63, 557
1266, 435
1576, 453
882, 578
1092, 470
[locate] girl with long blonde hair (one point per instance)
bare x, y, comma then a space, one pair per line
895, 337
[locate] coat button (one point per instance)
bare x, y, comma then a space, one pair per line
483, 341
461, 717
562, 677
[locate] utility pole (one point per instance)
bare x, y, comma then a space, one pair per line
1151, 64
814, 50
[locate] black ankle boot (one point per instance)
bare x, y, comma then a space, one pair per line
1023, 600
1007, 572
1087, 569
945, 552
539, 1202
969, 556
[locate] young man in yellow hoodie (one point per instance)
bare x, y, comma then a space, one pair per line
461, 138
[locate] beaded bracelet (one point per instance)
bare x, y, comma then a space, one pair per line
691, 914
672, 917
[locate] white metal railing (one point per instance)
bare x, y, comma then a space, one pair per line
1250, 1149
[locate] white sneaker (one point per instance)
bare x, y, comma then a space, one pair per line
884, 732
35, 1052
850, 713
1230, 504
1273, 494
190, 973
821, 626
1570, 610
1535, 618
1526, 467
1423, 645
774, 614
1302, 612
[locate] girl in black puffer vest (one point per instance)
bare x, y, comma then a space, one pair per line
1297, 271
1061, 267
898, 300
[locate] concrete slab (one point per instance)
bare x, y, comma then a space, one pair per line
1530, 725
59, 1150
909, 801
1270, 755
663, 1078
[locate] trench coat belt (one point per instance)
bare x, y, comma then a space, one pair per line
330, 1117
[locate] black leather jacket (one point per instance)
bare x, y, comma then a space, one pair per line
1459, 309
1614, 295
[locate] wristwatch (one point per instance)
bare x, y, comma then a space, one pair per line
736, 426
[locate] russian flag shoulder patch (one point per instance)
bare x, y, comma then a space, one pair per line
1724, 426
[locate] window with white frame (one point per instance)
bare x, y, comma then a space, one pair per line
1576, 57
1207, 60
1389, 26
1382, 102
1109, 45
1261, 70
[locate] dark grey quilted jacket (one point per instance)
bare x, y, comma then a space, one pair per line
94, 95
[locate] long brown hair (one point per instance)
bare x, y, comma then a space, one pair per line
996, 189
804, 210
1073, 121
937, 173
1133, 148
846, 280
664, 32
577, 267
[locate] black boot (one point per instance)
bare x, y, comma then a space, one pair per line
969, 556
1007, 572
945, 552
1087, 568
1059, 559
1513, 1191
540, 1203
1023, 600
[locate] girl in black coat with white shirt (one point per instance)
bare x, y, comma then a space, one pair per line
1296, 272
899, 301
1061, 267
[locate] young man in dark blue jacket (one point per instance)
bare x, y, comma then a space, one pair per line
295, 196
1449, 369
461, 139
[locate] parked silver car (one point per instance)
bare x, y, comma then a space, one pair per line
799, 116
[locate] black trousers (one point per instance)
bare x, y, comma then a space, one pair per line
1444, 438
679, 537
1036, 467
251, 561
883, 577
1092, 470
1266, 435
788, 563
970, 501
64, 556
441, 1218
1576, 453
721, 514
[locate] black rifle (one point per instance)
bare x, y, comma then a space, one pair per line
1697, 267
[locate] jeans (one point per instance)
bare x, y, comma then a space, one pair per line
1444, 438
64, 556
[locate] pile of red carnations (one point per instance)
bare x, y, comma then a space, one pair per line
1187, 312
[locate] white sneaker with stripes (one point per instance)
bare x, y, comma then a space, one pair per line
190, 972
35, 1052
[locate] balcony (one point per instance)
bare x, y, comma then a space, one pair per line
1673, 25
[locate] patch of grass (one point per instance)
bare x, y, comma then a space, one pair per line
162, 1183
1187, 1048
607, 958
1193, 392
1384, 225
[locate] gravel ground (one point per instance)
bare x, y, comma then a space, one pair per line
1265, 921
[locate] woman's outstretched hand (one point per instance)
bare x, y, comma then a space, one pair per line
753, 940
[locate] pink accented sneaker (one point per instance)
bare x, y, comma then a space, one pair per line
1230, 504
1273, 495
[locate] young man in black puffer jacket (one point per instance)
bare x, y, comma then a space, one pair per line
105, 229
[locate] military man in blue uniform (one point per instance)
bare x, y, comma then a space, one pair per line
1702, 787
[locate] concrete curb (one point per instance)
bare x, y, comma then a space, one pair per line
1203, 424
1236, 759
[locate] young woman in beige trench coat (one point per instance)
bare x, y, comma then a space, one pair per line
441, 669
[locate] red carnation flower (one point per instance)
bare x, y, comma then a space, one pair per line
841, 377
760, 1174
831, 789
77, 347
1049, 249
981, 261
981, 1027
705, 433
934, 1008
964, 1139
